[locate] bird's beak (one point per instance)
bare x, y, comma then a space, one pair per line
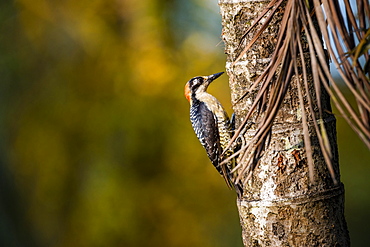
213, 77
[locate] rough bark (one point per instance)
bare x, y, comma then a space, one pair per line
280, 206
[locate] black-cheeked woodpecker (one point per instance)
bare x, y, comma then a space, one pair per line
211, 124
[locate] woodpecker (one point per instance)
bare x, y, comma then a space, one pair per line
211, 123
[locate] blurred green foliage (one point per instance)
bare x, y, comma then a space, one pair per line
96, 145
354, 159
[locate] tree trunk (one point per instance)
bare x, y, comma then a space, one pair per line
280, 205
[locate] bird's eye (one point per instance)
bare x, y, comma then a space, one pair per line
196, 82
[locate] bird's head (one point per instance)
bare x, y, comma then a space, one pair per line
199, 84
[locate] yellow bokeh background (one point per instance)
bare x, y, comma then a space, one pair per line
97, 147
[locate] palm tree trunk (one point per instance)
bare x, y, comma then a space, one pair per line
281, 204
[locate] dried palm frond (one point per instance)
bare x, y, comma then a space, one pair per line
347, 43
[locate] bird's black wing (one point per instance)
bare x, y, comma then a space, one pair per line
205, 126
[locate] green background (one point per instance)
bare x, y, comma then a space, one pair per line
96, 143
